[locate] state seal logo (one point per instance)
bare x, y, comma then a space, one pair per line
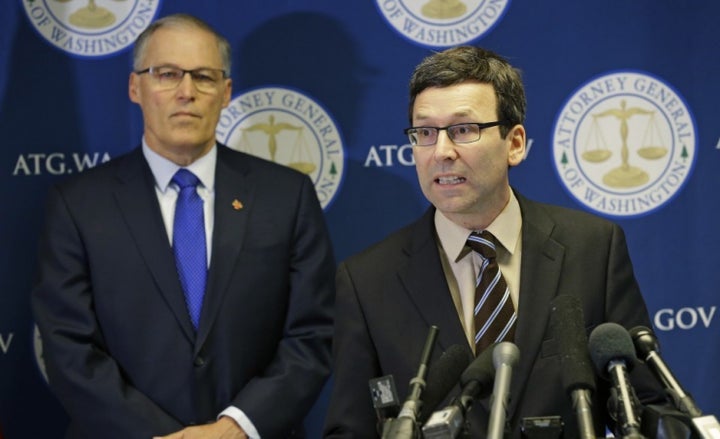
290, 128
91, 28
624, 144
442, 23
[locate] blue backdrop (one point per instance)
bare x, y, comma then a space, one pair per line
326, 80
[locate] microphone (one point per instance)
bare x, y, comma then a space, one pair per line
578, 378
475, 383
385, 399
613, 354
505, 357
442, 376
405, 425
648, 348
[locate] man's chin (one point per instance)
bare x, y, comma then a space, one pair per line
192, 142
453, 207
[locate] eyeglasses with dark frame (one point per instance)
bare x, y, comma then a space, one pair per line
459, 133
168, 77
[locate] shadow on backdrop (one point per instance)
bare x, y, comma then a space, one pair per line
312, 53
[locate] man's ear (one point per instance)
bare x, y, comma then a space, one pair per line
516, 139
134, 87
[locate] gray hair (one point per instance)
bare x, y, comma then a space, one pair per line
180, 21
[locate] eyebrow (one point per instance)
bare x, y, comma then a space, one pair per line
457, 115
169, 64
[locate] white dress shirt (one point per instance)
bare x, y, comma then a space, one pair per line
204, 168
461, 264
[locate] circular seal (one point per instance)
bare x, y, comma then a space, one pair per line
624, 144
91, 28
442, 23
287, 127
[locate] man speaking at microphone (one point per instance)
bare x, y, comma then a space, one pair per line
482, 264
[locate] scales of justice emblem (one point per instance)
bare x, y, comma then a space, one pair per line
92, 16
444, 9
90, 28
624, 144
290, 128
652, 146
442, 23
300, 157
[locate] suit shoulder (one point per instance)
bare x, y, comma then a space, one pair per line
568, 214
95, 177
568, 219
242, 159
388, 251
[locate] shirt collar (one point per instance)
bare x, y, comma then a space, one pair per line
163, 169
506, 229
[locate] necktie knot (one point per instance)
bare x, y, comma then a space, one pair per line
483, 243
185, 179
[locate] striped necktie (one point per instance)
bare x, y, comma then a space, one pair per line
494, 311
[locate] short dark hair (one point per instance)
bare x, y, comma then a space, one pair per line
467, 63
180, 20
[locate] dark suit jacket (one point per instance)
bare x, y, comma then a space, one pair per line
120, 350
389, 295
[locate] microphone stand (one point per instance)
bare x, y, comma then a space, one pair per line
405, 425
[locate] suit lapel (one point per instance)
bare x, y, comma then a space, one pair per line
425, 283
540, 274
234, 196
138, 204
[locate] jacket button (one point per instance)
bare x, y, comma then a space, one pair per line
199, 362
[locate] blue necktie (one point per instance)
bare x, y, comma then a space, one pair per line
189, 242
494, 311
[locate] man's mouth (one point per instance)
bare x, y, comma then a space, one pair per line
449, 180
185, 113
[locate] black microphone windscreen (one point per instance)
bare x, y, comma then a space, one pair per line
568, 328
481, 370
611, 341
645, 341
442, 376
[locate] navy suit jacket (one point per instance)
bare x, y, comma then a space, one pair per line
120, 351
389, 295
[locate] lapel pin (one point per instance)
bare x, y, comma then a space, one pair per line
236, 204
